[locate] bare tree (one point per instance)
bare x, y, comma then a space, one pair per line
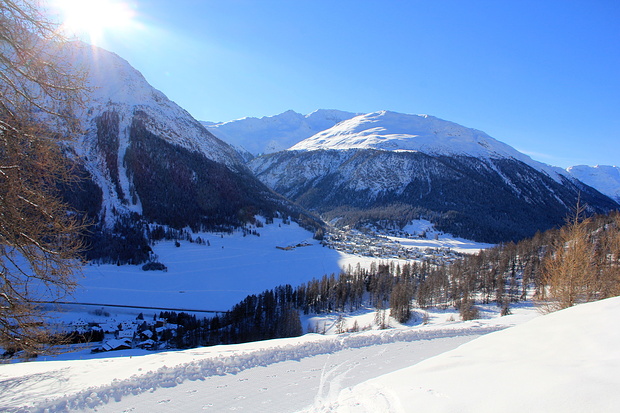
39, 236
568, 272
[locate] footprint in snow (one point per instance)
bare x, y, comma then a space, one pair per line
207, 406
164, 401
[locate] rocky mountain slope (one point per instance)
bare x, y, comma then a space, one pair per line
392, 167
147, 160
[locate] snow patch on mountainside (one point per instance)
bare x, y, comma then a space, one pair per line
603, 178
275, 133
391, 131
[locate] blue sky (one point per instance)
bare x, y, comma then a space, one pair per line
542, 76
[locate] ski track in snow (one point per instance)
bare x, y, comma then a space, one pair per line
311, 370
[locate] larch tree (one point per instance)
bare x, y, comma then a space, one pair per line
568, 272
40, 238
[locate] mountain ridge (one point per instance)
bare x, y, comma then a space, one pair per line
271, 134
605, 178
466, 182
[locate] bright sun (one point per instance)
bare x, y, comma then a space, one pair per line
92, 18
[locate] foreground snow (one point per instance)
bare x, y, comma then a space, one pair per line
259, 376
564, 362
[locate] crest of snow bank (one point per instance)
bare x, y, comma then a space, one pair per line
564, 362
196, 364
393, 131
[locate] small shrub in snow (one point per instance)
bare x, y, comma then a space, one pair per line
154, 266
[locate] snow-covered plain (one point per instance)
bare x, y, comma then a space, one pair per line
212, 277
562, 362
216, 277
566, 361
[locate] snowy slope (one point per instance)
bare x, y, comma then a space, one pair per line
275, 133
282, 375
118, 95
393, 131
115, 84
604, 178
563, 362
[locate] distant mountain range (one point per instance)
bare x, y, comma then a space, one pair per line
604, 178
269, 134
147, 162
258, 136
391, 167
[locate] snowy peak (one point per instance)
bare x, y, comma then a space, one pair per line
111, 78
114, 85
391, 131
603, 178
275, 133
395, 131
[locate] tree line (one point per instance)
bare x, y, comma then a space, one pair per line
559, 268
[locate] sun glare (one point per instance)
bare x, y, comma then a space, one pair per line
93, 18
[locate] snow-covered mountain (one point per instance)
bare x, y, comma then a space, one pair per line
605, 178
275, 133
149, 159
393, 131
386, 165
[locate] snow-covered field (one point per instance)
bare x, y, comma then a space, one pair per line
272, 376
212, 277
218, 276
566, 361
562, 362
